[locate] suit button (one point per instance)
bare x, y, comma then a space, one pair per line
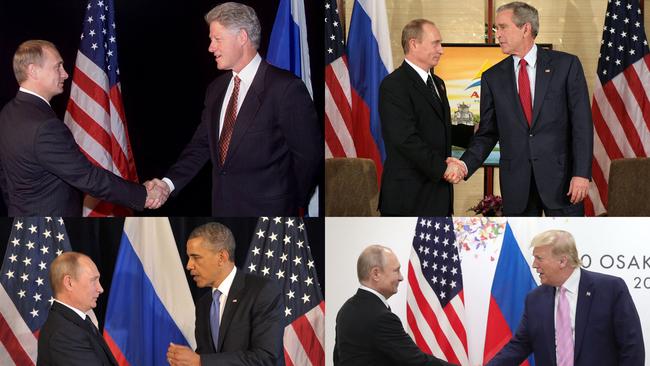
223, 172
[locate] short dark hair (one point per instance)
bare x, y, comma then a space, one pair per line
413, 29
216, 236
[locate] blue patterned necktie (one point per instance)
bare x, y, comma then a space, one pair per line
214, 318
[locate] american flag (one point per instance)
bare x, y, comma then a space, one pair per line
25, 294
620, 107
339, 140
280, 250
435, 309
95, 113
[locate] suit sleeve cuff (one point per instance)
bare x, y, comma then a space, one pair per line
169, 184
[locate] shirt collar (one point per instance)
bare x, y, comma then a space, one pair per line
34, 94
530, 57
247, 74
380, 296
225, 285
571, 284
79, 312
424, 74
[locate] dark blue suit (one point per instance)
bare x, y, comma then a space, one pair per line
275, 154
251, 326
557, 146
607, 326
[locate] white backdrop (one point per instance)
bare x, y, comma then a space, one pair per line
617, 246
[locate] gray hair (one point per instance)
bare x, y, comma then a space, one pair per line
371, 257
413, 29
522, 13
29, 52
235, 17
216, 237
561, 242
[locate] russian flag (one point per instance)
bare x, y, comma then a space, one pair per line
288, 47
513, 280
369, 61
150, 304
289, 50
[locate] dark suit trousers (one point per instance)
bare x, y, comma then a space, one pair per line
536, 206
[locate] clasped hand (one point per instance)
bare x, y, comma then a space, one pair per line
456, 170
157, 193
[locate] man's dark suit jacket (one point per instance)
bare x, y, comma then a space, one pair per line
368, 333
418, 135
251, 328
42, 170
558, 145
607, 326
276, 150
67, 340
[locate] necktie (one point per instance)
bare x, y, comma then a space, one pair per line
214, 318
563, 334
524, 92
432, 87
91, 326
228, 122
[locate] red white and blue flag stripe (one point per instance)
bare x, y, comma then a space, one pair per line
352, 78
25, 291
513, 280
150, 304
621, 100
435, 304
95, 113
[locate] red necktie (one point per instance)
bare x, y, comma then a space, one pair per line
228, 122
524, 92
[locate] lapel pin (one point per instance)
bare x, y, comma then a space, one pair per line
234, 300
588, 293
547, 70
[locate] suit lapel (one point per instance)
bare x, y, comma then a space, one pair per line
422, 88
542, 79
446, 112
508, 69
246, 116
74, 318
214, 133
547, 318
585, 296
232, 303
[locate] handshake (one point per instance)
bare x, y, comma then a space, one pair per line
157, 193
456, 170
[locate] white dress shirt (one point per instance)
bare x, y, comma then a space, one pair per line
380, 296
36, 95
571, 284
79, 312
531, 69
424, 74
224, 287
246, 75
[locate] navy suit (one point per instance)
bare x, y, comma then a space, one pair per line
68, 340
42, 170
274, 156
251, 328
557, 146
607, 326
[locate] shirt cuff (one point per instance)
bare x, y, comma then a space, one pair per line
171, 185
